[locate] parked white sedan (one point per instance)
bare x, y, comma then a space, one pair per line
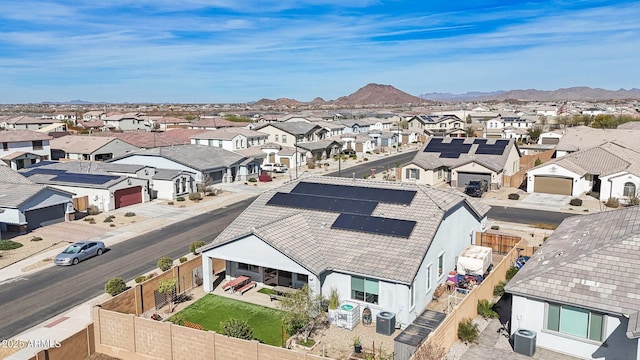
79, 251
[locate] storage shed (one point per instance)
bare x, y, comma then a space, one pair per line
474, 260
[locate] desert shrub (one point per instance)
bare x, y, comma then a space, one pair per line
180, 198
115, 286
311, 164
237, 328
511, 272
252, 180
545, 226
129, 214
365, 159
429, 351
575, 202
195, 196
93, 210
141, 278
108, 219
514, 196
537, 162
193, 247
170, 203
612, 203
485, 309
334, 299
151, 276
9, 245
36, 238
467, 331
498, 290
183, 259
165, 263
495, 227
634, 201
89, 219
112, 225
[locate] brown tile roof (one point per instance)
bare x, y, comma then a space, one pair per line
22, 135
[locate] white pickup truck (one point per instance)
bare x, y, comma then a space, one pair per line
274, 167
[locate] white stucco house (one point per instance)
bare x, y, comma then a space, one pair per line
611, 170
21, 148
25, 205
313, 232
458, 161
579, 292
230, 138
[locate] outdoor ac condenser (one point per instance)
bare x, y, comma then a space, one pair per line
524, 342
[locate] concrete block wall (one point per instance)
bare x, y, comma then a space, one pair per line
128, 337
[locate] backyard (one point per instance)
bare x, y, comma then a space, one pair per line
211, 310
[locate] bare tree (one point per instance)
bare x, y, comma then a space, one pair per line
429, 351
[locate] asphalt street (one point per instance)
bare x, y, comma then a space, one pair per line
32, 299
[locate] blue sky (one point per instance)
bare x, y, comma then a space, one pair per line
218, 51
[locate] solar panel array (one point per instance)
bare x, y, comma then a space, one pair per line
492, 149
391, 196
64, 176
322, 203
84, 178
374, 225
354, 203
450, 150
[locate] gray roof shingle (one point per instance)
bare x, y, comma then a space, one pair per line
307, 238
590, 261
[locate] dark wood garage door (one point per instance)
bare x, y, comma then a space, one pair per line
553, 185
128, 196
45, 216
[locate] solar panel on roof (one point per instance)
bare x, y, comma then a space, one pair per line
322, 203
480, 141
43, 171
84, 178
392, 196
374, 225
449, 155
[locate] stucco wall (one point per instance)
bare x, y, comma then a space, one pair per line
580, 184
530, 314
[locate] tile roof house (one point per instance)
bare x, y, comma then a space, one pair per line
437, 125
584, 137
22, 148
26, 205
230, 138
86, 147
211, 165
126, 122
23, 122
580, 292
382, 245
106, 187
458, 161
152, 139
611, 170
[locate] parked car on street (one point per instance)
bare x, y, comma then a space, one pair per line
79, 251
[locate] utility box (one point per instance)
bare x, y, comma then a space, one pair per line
524, 342
385, 323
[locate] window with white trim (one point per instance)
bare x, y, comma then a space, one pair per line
575, 321
441, 265
364, 289
412, 290
629, 189
413, 174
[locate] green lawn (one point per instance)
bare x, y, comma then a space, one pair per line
211, 310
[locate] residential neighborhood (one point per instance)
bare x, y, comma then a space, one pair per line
370, 212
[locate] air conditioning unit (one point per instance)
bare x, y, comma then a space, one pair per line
524, 342
385, 323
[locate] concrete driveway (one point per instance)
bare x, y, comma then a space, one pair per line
544, 201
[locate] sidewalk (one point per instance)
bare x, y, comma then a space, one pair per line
155, 214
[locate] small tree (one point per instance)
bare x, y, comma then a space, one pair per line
301, 310
195, 245
165, 263
237, 328
115, 286
534, 133
167, 287
467, 331
468, 131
